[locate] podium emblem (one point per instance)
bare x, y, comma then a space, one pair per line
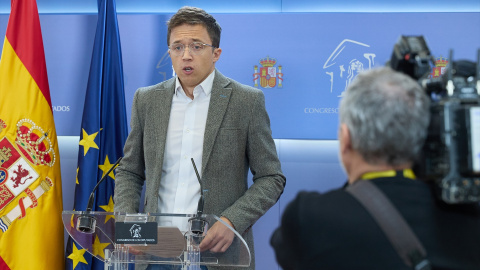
129, 233
135, 231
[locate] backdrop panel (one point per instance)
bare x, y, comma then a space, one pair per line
302, 62
256, 6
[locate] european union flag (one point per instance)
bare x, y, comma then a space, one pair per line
103, 132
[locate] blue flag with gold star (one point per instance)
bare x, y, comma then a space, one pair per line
103, 132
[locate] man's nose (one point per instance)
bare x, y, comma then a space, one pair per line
186, 54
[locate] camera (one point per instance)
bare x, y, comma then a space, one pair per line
451, 154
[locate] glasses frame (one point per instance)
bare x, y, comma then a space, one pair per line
189, 46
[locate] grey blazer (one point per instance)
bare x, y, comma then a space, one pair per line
237, 137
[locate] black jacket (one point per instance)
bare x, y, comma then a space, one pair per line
333, 231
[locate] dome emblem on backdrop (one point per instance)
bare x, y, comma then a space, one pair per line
345, 62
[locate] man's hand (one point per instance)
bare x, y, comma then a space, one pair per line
219, 237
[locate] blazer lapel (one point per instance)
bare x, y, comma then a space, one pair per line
219, 99
161, 115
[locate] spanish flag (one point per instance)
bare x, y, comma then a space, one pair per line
31, 230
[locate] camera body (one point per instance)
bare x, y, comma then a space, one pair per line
451, 154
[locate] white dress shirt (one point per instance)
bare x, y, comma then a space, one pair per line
179, 190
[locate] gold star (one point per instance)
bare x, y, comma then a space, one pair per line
108, 208
105, 167
88, 141
77, 256
76, 182
98, 248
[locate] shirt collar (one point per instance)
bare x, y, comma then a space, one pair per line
206, 85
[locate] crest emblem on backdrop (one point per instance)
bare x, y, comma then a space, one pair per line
440, 67
268, 75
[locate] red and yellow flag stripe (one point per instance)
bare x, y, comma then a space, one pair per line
36, 240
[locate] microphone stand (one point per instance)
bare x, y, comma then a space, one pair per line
197, 223
86, 222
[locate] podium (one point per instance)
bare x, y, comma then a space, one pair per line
121, 239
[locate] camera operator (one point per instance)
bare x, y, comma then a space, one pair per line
383, 124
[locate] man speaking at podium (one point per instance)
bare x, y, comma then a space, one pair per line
200, 114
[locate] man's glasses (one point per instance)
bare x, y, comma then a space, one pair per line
195, 48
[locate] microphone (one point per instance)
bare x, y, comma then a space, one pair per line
197, 223
86, 222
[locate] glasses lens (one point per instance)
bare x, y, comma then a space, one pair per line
196, 47
177, 48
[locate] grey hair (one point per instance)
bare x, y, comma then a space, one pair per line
387, 114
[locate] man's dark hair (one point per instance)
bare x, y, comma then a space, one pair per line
193, 16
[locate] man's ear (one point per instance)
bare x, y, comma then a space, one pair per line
216, 54
345, 139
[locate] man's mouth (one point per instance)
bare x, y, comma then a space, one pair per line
188, 69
